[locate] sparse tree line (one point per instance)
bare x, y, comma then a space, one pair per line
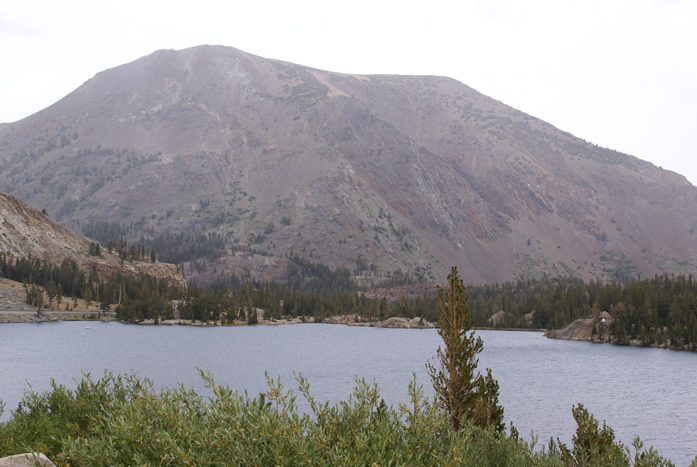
197, 248
67, 280
134, 252
58, 280
171, 247
304, 274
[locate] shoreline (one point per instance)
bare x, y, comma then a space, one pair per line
631, 343
599, 332
395, 322
32, 316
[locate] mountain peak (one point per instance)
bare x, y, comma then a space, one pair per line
415, 173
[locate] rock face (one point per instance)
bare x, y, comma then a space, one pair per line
583, 330
26, 231
13, 296
412, 172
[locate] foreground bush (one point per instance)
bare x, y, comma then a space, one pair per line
122, 420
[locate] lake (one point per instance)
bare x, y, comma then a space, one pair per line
639, 391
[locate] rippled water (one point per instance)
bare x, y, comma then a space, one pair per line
639, 392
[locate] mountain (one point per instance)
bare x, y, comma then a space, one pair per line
374, 172
25, 231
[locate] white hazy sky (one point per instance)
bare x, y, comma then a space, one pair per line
621, 74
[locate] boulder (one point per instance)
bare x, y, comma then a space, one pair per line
497, 317
404, 323
346, 319
395, 322
582, 329
528, 318
28, 459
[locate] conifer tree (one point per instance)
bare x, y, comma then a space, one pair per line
253, 317
464, 392
382, 309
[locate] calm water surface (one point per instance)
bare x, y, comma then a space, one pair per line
645, 392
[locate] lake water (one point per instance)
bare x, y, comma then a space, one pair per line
639, 392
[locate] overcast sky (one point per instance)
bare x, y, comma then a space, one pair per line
621, 74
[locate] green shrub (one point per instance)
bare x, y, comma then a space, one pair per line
122, 421
596, 446
43, 422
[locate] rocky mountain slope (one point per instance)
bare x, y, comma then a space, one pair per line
410, 172
25, 231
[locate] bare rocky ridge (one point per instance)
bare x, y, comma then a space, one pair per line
25, 231
410, 172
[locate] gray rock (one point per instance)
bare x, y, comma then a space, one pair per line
497, 317
582, 330
422, 323
404, 323
28, 459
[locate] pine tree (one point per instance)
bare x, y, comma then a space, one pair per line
487, 411
465, 393
35, 297
382, 309
252, 317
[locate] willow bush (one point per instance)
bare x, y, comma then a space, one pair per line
121, 420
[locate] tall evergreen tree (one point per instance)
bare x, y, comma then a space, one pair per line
463, 391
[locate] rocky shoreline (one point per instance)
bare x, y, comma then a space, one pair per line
598, 331
395, 322
14, 309
19, 316
348, 320
32, 316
